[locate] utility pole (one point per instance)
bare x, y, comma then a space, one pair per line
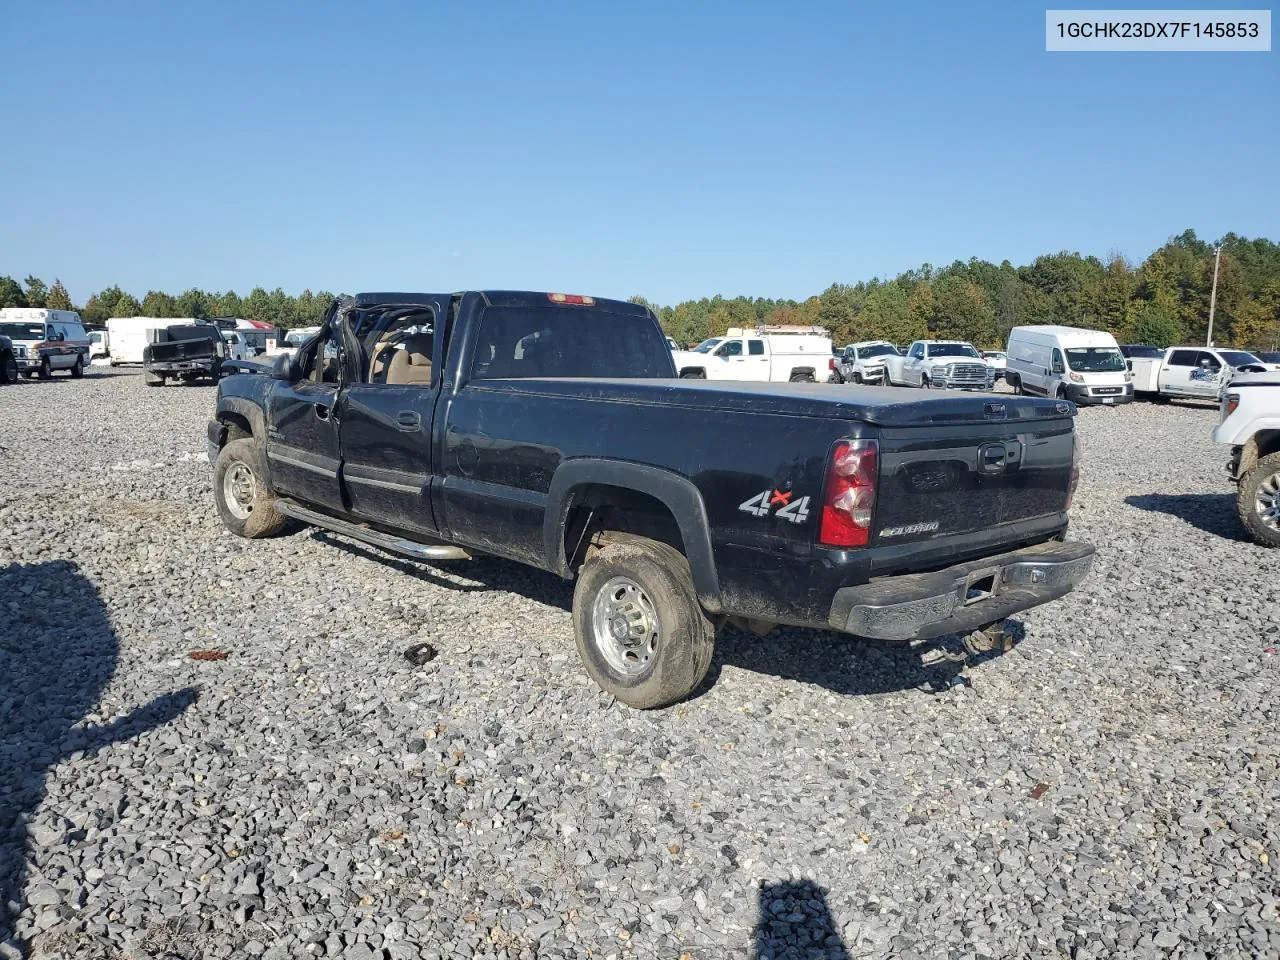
1213, 293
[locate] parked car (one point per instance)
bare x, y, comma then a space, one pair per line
771, 353
46, 340
997, 360
186, 352
1271, 359
8, 361
864, 362
940, 364
1071, 363
546, 428
1194, 373
1250, 424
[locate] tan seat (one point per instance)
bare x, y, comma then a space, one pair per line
412, 362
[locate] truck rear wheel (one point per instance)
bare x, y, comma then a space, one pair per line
1258, 501
246, 503
802, 378
641, 633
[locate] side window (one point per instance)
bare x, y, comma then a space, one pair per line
1204, 356
917, 351
1058, 365
1182, 358
404, 349
731, 349
755, 348
324, 362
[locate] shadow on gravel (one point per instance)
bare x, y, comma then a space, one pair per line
489, 573
57, 654
852, 666
794, 922
841, 663
1213, 513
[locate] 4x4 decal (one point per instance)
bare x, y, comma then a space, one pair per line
762, 503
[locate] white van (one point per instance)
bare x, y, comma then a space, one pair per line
46, 340
1070, 363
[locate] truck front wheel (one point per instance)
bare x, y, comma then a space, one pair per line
246, 503
1258, 501
641, 633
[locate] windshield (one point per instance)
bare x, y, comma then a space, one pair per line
1238, 358
878, 350
706, 346
22, 331
952, 350
1095, 359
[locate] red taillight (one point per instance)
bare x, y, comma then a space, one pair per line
831, 363
849, 500
573, 298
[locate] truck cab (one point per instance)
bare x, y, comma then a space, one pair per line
1199, 372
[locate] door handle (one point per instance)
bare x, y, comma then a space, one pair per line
408, 420
322, 411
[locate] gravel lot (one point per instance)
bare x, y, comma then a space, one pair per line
1106, 788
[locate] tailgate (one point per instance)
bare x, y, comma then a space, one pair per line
175, 350
939, 480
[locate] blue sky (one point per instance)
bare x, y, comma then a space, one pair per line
675, 150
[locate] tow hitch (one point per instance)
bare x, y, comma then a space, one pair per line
977, 644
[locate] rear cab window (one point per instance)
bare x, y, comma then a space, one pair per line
552, 340
1182, 358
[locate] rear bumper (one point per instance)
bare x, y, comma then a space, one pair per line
922, 606
182, 366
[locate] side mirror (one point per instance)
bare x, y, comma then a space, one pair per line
283, 368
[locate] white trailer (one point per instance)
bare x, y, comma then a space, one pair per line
128, 336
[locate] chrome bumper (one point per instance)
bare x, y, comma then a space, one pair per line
962, 598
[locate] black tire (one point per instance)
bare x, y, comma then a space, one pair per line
924, 381
1015, 384
672, 650
693, 375
45, 371
8, 369
261, 518
1062, 392
857, 379
78, 370
1259, 485
802, 378
154, 379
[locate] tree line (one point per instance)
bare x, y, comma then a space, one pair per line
1162, 300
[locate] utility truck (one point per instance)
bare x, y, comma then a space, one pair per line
772, 354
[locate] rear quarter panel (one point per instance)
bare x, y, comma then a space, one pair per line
505, 440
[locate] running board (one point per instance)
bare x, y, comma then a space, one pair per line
376, 538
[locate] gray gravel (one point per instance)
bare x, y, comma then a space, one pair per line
1106, 788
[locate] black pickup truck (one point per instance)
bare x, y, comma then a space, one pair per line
551, 429
184, 351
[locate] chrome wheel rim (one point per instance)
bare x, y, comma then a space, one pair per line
624, 626
1266, 501
239, 487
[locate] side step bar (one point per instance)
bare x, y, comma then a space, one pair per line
376, 538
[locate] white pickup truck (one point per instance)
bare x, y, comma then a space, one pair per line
864, 362
1250, 424
775, 354
1190, 373
941, 364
